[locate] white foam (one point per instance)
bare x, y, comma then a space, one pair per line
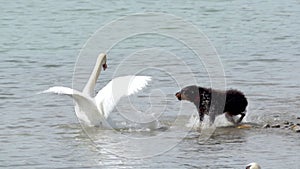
220, 121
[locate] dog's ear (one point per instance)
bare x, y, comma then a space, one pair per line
204, 90
201, 89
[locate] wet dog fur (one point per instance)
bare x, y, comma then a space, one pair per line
215, 102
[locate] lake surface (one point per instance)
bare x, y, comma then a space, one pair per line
258, 52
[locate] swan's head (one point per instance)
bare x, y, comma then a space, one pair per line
253, 166
102, 59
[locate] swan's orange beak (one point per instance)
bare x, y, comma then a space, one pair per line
104, 66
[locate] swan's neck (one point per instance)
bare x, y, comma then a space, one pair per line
90, 85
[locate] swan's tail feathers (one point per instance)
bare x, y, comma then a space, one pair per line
109, 96
61, 91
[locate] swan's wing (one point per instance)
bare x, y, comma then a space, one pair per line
108, 97
85, 107
60, 90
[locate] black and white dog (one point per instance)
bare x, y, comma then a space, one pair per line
215, 102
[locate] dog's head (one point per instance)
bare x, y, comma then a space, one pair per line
190, 93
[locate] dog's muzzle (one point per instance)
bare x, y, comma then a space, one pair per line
178, 95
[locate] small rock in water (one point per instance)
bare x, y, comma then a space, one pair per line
276, 126
296, 128
288, 123
244, 126
266, 126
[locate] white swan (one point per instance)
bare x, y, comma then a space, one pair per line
93, 110
253, 166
